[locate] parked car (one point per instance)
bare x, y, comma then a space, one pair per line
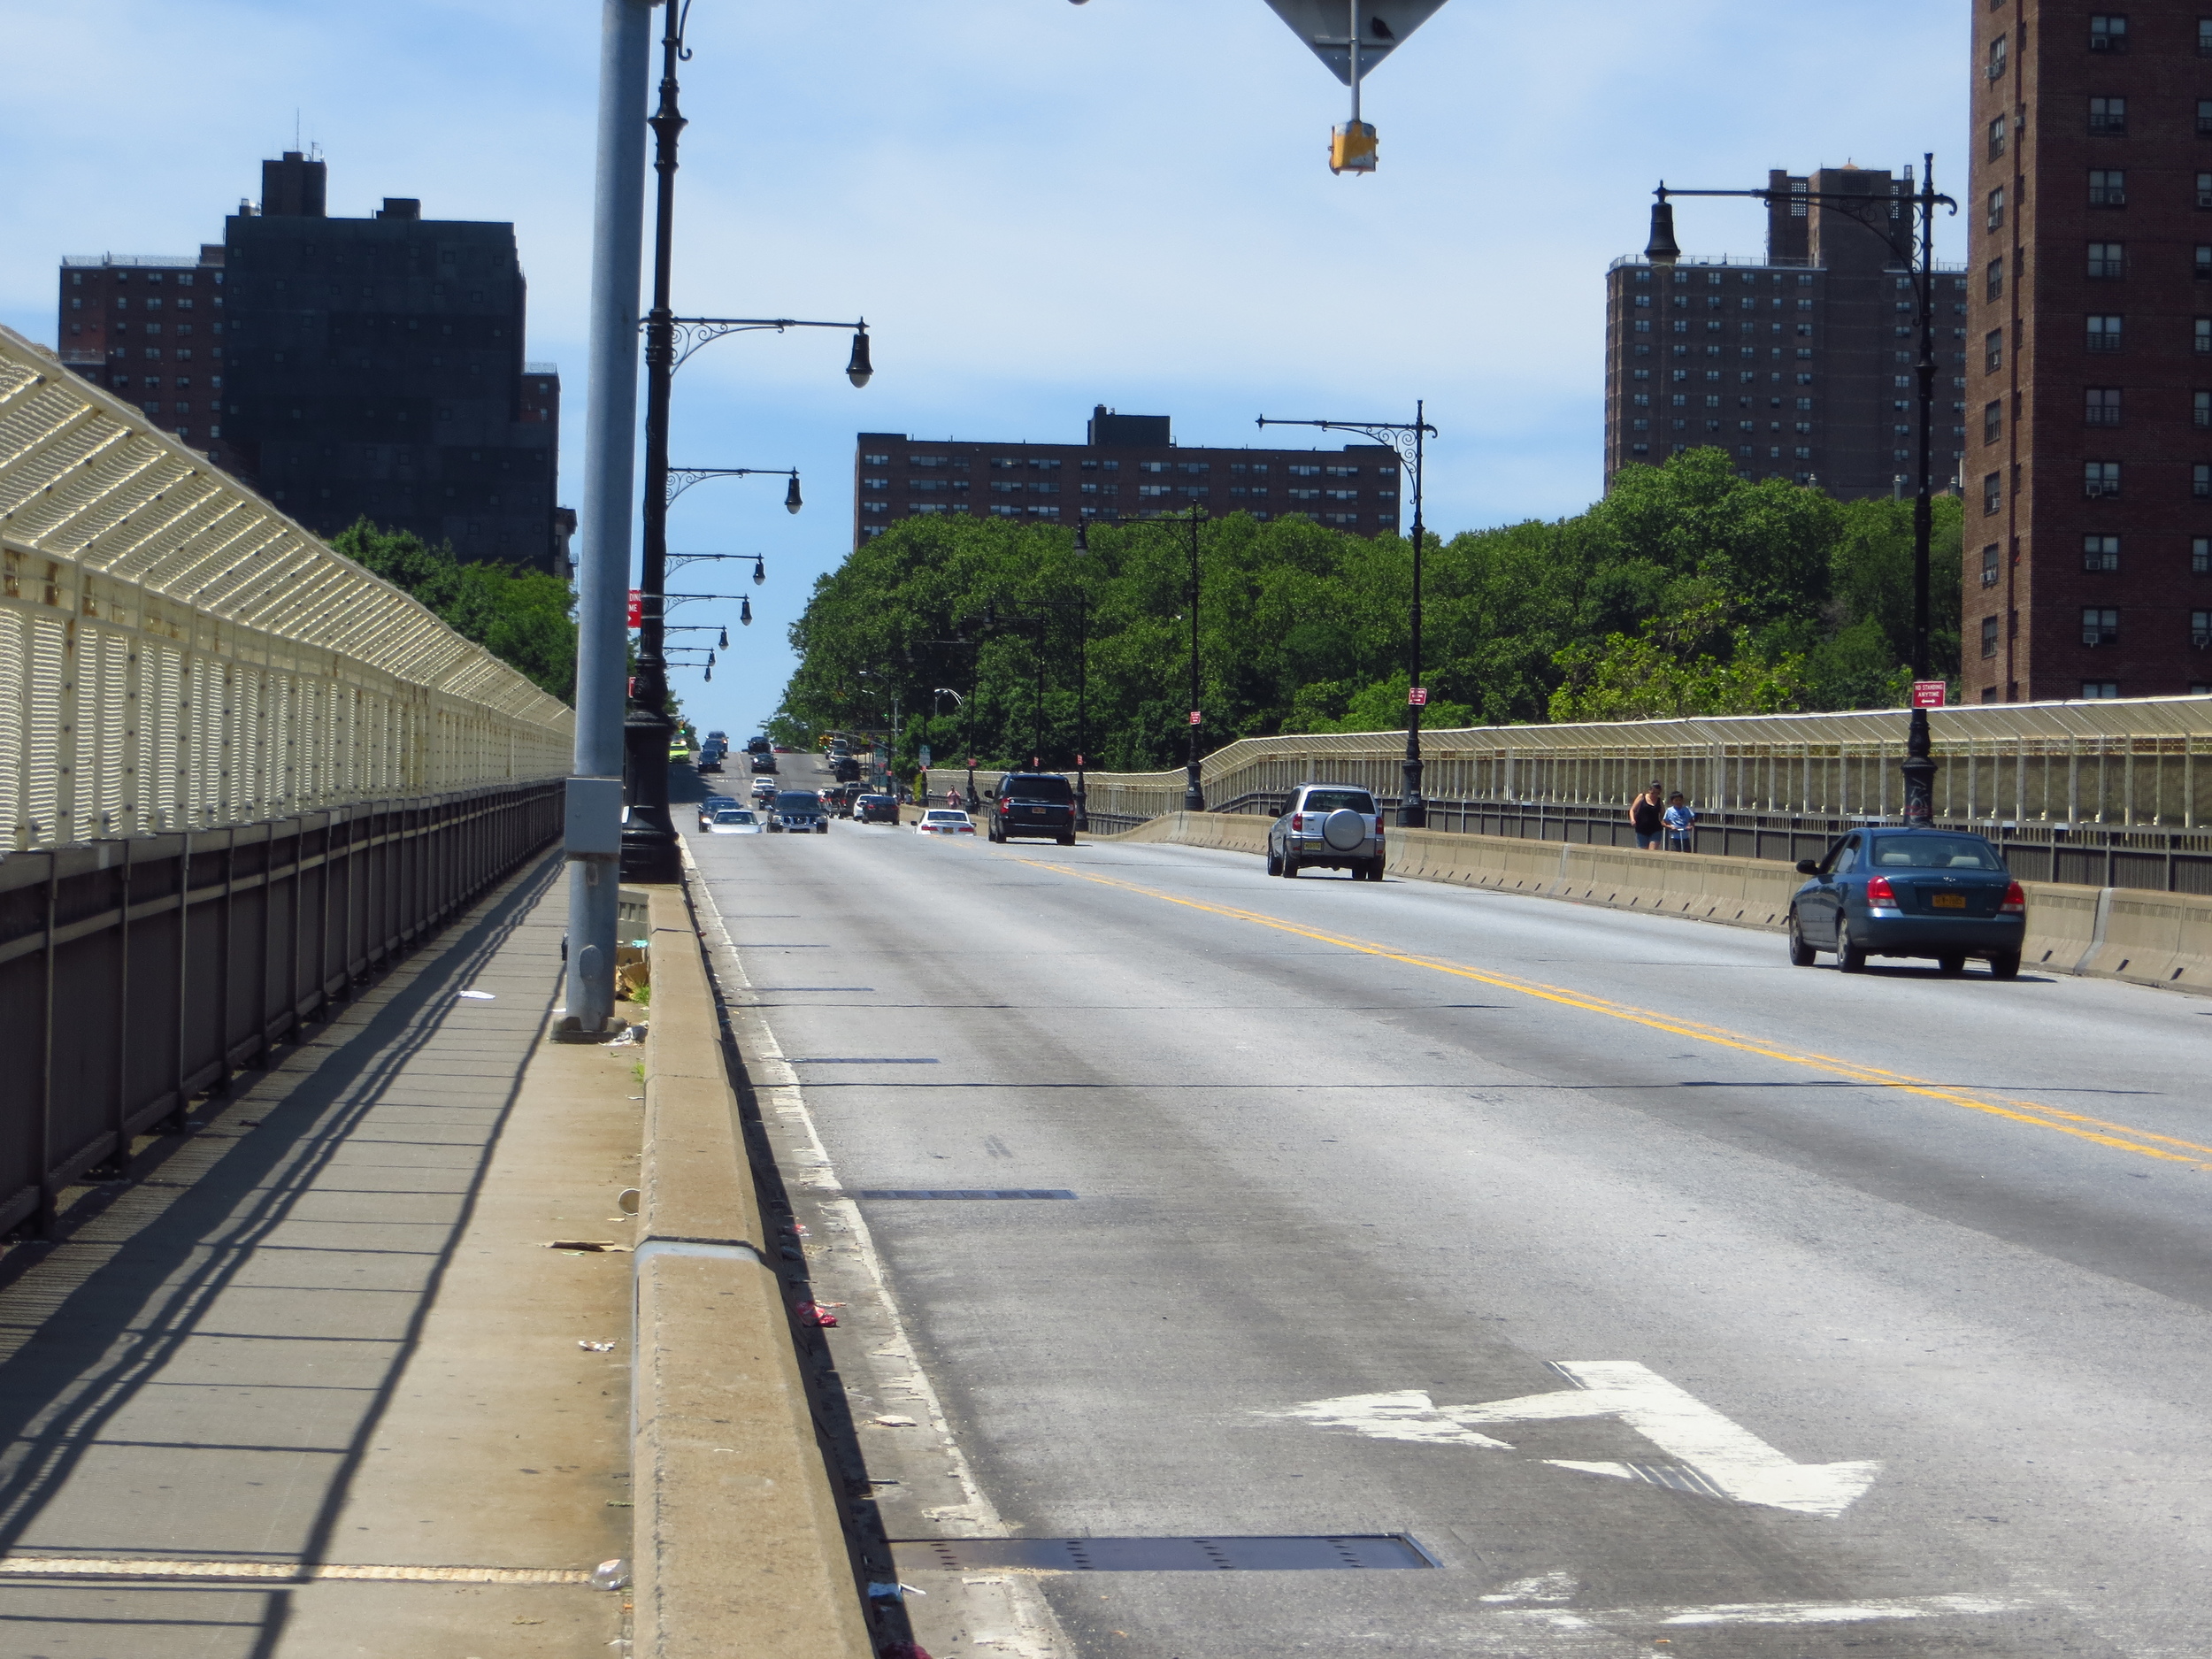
798, 811
1939, 894
736, 820
1033, 803
712, 804
1328, 827
945, 820
878, 809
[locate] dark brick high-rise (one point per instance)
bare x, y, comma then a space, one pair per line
1799, 365
2088, 547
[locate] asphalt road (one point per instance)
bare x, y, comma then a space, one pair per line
1879, 1302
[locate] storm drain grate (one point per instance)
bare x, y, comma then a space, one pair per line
964, 1192
1166, 1554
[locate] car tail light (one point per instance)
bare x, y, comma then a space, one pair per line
1298, 821
2016, 902
1006, 806
1878, 891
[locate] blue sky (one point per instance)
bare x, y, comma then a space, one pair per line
1037, 206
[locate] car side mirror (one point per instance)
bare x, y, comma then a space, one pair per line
990, 794
1807, 867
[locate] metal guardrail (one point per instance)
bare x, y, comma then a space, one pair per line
135, 973
178, 656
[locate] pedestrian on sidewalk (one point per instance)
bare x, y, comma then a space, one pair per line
1680, 823
1644, 816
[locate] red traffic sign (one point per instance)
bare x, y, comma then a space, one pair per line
1927, 694
1417, 697
637, 608
1194, 716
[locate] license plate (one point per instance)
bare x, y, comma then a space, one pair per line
1036, 811
1949, 900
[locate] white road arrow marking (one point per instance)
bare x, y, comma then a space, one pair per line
1716, 1455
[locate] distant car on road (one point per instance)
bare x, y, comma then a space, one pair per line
765, 763
1910, 892
1033, 803
880, 808
944, 820
736, 820
764, 789
1329, 827
712, 804
710, 759
798, 811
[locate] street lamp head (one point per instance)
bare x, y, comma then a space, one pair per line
1082, 537
760, 570
1662, 249
725, 639
744, 618
791, 502
858, 370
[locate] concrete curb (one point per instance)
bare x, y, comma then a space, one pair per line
738, 1545
2140, 935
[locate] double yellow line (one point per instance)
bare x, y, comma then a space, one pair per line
2142, 1142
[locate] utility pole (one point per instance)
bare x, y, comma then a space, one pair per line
593, 828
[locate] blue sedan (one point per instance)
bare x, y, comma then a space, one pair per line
1910, 892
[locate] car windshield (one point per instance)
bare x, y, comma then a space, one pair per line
732, 818
1935, 852
1333, 799
1054, 789
794, 801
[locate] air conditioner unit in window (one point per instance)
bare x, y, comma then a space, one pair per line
2202, 640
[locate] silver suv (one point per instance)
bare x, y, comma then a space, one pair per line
1330, 826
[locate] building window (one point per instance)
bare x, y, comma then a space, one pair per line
2200, 481
1996, 218
2100, 689
1997, 58
1997, 130
2204, 333
2104, 334
2108, 32
1989, 567
2099, 626
2200, 410
2204, 37
1989, 636
1992, 422
2108, 260
2101, 552
1992, 492
1995, 279
2108, 188
1993, 349
2201, 555
2200, 629
2102, 406
2101, 480
2108, 116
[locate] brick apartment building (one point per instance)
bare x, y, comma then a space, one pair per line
2088, 551
1799, 364
149, 329
343, 367
1128, 466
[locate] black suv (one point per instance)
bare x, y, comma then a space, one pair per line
1033, 803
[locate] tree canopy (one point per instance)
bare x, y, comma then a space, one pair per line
1688, 589
525, 618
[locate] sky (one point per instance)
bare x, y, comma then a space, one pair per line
1037, 206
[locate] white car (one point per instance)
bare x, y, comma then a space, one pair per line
736, 820
943, 820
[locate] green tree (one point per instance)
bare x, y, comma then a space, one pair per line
524, 617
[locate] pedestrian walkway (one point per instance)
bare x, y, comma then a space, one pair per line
309, 1382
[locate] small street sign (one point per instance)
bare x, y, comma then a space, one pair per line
1417, 698
637, 608
1927, 694
925, 756
1194, 716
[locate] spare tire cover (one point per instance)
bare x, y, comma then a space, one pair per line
1344, 830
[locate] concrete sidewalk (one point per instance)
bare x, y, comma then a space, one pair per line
310, 1383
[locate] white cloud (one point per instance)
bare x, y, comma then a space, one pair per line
1037, 206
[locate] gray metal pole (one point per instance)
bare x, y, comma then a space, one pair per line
594, 840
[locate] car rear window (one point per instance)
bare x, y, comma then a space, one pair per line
794, 801
1036, 789
1935, 852
1332, 800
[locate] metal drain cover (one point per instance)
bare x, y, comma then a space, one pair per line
1165, 1554
960, 1191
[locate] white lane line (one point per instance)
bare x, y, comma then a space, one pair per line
287, 1572
1770, 1612
1717, 1456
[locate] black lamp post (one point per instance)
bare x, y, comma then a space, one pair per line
649, 836
1405, 440
1916, 253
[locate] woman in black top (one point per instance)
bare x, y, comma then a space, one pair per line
1645, 815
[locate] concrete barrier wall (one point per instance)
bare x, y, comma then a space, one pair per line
738, 1547
2110, 933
